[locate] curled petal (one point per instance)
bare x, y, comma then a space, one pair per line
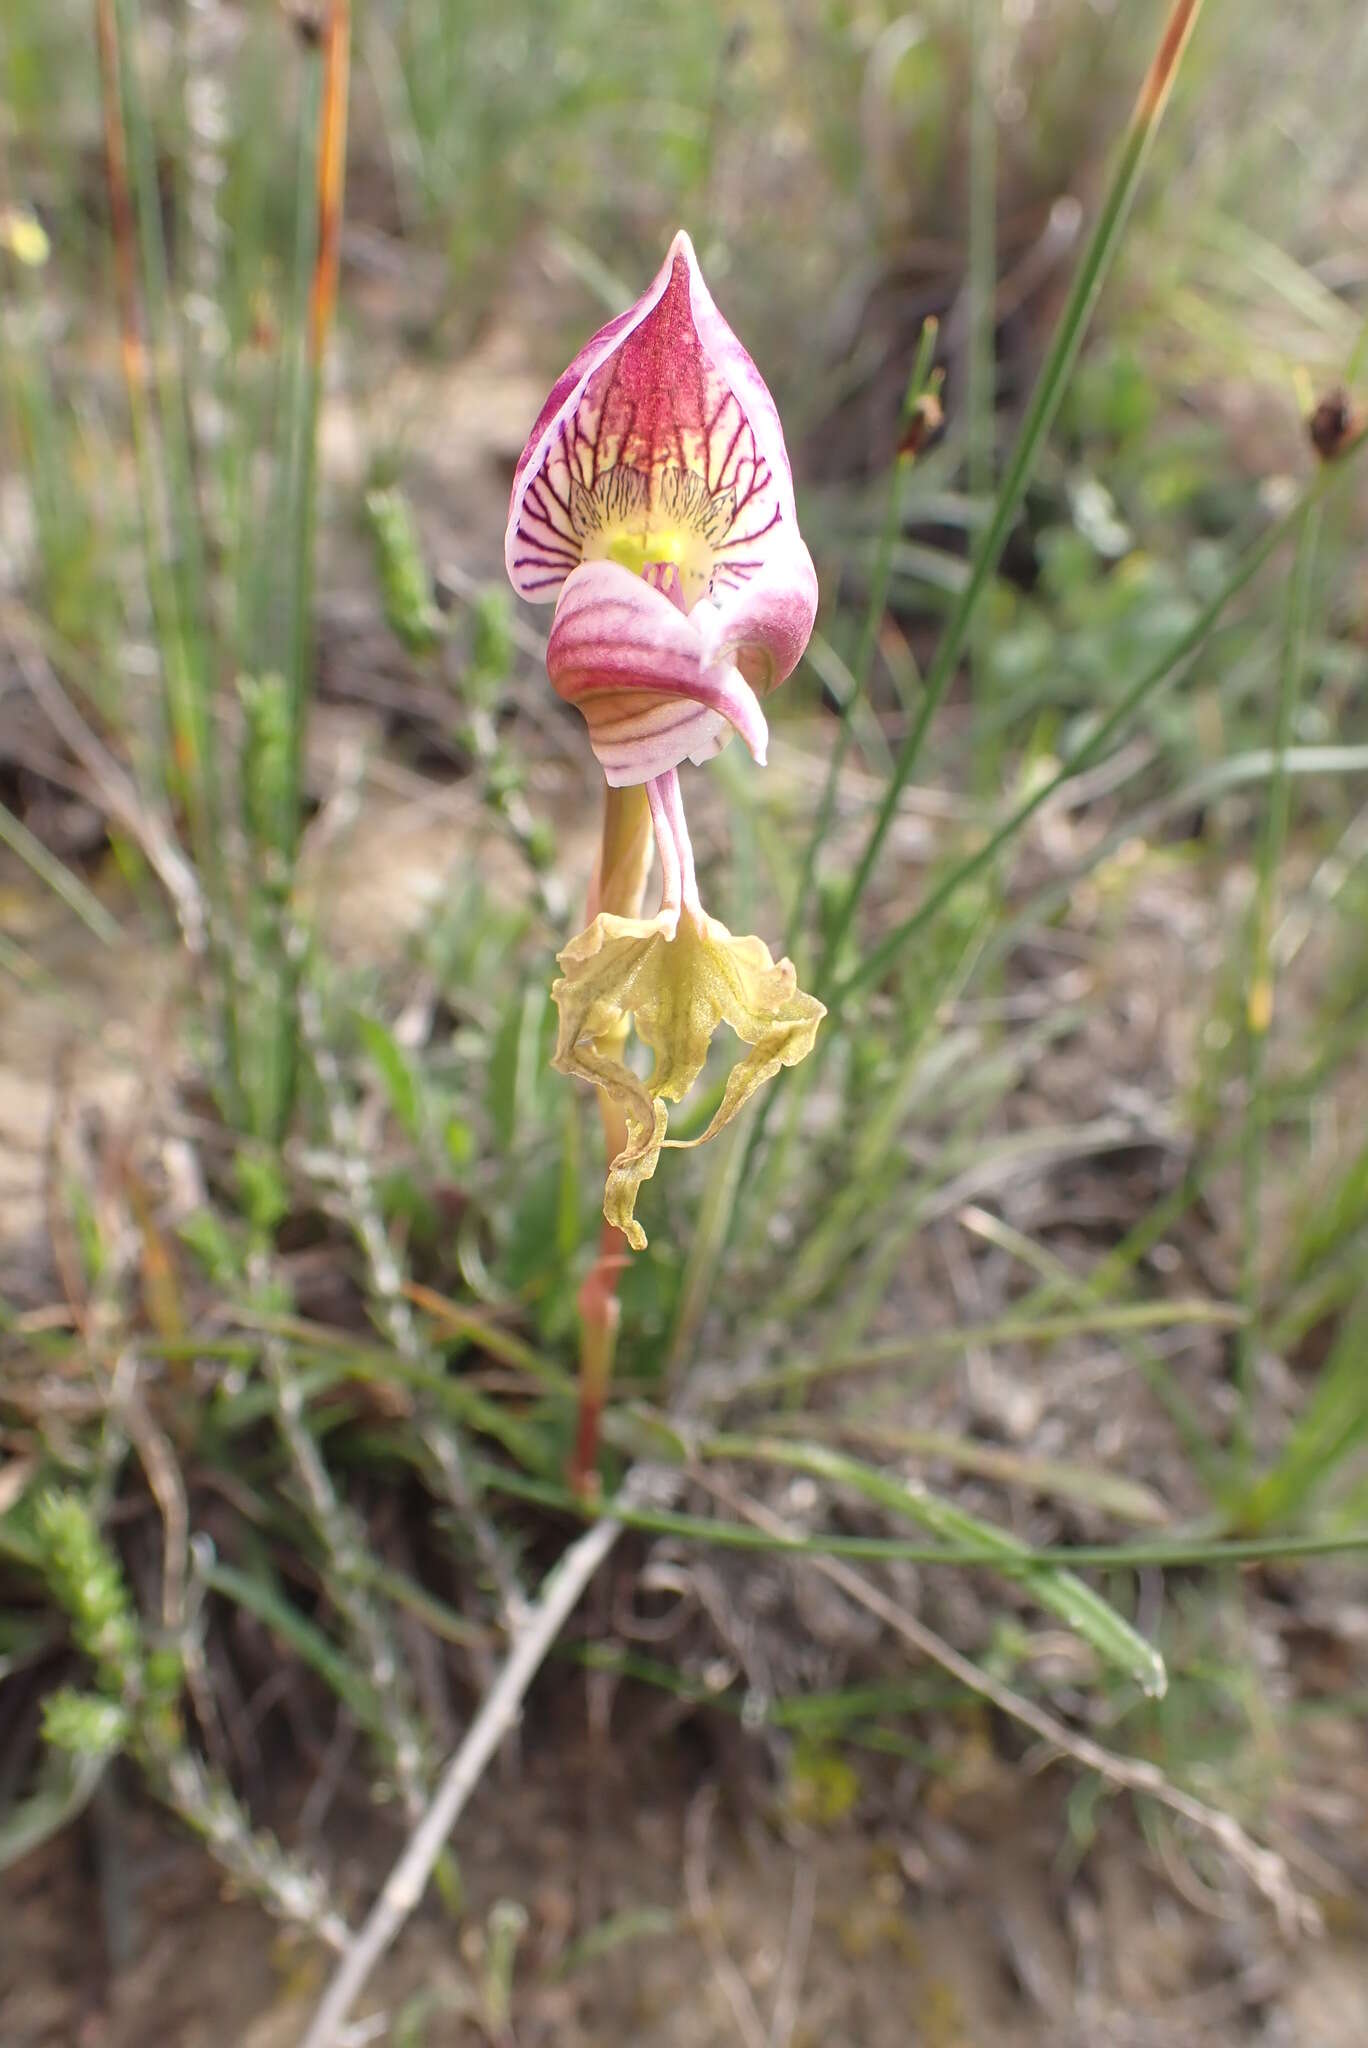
677, 985
639, 670
763, 624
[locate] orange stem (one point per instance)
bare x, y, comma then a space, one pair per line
332, 158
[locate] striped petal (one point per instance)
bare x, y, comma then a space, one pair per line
652, 691
662, 422
764, 623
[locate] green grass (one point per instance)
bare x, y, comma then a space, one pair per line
1131, 630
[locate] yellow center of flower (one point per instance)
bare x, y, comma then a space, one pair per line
668, 519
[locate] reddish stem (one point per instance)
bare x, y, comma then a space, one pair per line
330, 174
600, 1314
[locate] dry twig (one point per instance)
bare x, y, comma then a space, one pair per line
407, 1882
1267, 1870
731, 1983
116, 793
784, 2018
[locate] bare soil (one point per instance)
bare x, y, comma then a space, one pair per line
959, 1919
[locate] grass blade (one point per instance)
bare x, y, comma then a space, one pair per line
919, 385
301, 1635
1040, 413
875, 963
1333, 1424
1259, 973
1060, 1592
1175, 1554
58, 877
1115, 1319
1126, 1499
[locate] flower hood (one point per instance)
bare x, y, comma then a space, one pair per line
654, 503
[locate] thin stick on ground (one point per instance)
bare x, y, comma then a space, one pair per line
408, 1880
1266, 1869
729, 1980
789, 1990
112, 788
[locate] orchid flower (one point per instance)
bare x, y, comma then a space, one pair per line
654, 503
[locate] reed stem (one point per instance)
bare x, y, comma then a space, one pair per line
1044, 403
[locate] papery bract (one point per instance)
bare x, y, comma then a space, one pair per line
677, 987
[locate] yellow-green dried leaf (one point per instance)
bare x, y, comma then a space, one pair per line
676, 987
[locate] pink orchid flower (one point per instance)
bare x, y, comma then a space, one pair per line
654, 503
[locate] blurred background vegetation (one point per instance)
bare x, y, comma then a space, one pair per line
1060, 1243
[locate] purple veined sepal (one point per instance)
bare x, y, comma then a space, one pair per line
654, 502
661, 427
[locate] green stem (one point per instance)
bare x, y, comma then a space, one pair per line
164, 487
981, 378
1260, 971
1059, 1592
875, 964
1121, 1318
918, 384
15, 834
319, 203
302, 439
187, 570
1174, 1555
1040, 413
711, 1237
